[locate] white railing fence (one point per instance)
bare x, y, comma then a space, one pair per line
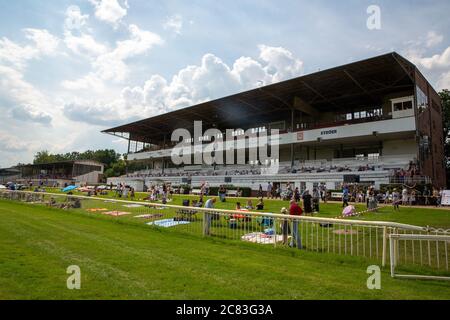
429, 250
325, 235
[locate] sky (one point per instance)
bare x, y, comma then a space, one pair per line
72, 68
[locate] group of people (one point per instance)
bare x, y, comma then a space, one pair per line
406, 175
394, 196
122, 191
162, 192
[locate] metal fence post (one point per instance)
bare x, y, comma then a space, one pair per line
206, 223
383, 259
392, 254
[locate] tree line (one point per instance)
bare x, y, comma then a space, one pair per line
115, 164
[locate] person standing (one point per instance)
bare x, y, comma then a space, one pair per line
278, 192
315, 200
396, 200
295, 210
269, 191
307, 202
441, 193
345, 195
412, 198
426, 195
296, 195
260, 191
372, 204
207, 216
206, 188
387, 197
222, 193
405, 196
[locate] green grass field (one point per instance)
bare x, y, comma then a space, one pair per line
121, 258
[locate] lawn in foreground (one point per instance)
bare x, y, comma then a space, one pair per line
131, 261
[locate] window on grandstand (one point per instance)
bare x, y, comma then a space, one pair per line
373, 156
402, 107
399, 106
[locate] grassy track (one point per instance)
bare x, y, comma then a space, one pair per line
121, 259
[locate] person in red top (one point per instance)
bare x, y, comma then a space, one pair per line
295, 210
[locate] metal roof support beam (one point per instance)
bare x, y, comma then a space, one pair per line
319, 94
358, 84
301, 105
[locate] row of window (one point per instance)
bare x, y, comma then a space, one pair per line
238, 132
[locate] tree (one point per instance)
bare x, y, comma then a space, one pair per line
44, 157
114, 166
117, 169
445, 97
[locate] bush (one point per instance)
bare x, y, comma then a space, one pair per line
186, 188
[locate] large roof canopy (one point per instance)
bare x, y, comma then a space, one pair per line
340, 88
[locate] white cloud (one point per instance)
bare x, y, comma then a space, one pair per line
74, 18
111, 65
15, 88
98, 113
84, 45
211, 79
436, 61
9, 143
174, 23
110, 11
43, 43
30, 113
444, 81
89, 82
436, 66
433, 39
280, 63
27, 103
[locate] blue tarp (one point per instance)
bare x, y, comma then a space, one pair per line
166, 223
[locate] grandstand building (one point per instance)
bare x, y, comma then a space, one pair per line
60, 173
376, 121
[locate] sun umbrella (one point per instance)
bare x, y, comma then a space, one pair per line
348, 210
69, 188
